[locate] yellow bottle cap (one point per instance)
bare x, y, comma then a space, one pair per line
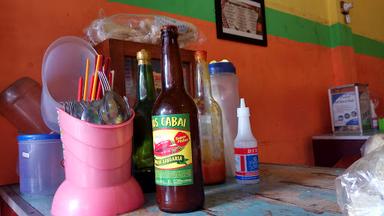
143, 56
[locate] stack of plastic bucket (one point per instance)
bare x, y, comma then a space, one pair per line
40, 163
97, 168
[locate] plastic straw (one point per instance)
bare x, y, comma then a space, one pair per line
94, 85
90, 91
101, 64
99, 93
86, 80
105, 71
110, 79
107, 62
80, 88
113, 78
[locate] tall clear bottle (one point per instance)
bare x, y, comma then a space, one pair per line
143, 169
179, 181
210, 124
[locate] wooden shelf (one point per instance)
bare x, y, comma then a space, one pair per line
123, 61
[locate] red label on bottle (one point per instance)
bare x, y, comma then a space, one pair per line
245, 150
247, 163
181, 139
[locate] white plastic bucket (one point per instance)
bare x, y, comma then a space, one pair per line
41, 168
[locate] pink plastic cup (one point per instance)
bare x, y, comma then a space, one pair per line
97, 161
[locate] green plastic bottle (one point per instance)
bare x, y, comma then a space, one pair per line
143, 169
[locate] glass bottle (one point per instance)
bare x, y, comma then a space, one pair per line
179, 181
210, 124
143, 169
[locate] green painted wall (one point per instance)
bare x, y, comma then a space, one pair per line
278, 24
200, 9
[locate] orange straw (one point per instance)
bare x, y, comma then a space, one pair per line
94, 86
86, 79
90, 91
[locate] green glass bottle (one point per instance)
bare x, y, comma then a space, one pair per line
143, 169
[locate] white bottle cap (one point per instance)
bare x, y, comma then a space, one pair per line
242, 111
373, 112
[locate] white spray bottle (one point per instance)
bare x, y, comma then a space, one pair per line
246, 154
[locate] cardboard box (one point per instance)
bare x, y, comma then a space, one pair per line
350, 109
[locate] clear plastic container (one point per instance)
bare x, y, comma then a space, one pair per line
41, 168
225, 91
20, 105
63, 63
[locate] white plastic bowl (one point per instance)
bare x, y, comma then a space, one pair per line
63, 63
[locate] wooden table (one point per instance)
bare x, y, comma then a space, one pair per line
283, 190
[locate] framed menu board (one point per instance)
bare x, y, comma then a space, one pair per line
241, 20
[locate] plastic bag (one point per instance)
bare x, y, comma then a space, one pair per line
372, 143
360, 189
139, 28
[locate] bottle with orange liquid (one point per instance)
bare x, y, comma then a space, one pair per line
210, 124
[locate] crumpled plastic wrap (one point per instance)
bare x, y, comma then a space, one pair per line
360, 189
139, 28
372, 144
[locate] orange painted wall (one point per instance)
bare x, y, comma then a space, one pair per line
343, 65
371, 70
284, 84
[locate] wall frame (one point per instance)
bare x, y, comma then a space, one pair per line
241, 20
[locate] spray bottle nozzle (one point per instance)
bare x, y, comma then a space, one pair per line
242, 110
242, 103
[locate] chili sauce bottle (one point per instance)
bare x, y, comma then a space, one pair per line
143, 169
176, 145
210, 124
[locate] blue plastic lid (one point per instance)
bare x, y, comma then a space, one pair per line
38, 137
221, 67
